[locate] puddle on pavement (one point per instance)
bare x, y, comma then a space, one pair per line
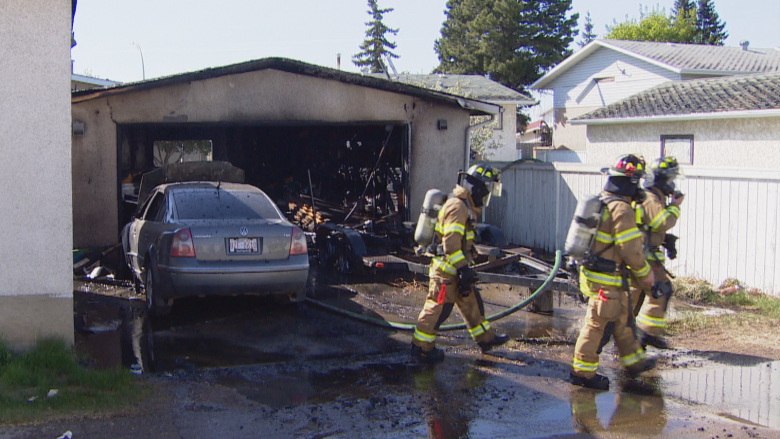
748, 392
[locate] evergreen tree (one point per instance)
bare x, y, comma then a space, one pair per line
512, 41
710, 29
587, 34
686, 6
376, 45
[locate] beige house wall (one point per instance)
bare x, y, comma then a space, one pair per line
566, 135
36, 292
265, 95
735, 143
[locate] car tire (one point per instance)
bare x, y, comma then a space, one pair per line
154, 305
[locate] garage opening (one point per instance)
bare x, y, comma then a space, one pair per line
357, 168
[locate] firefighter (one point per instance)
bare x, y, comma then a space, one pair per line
451, 278
656, 217
616, 253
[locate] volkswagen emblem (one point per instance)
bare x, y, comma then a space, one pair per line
243, 231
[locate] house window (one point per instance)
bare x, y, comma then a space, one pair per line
679, 146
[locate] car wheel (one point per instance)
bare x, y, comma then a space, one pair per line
154, 305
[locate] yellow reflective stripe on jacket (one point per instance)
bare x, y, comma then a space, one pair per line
662, 216
455, 228
604, 237
456, 257
651, 321
638, 215
438, 263
438, 228
470, 235
627, 235
602, 278
584, 366
658, 256
632, 359
423, 337
642, 272
480, 329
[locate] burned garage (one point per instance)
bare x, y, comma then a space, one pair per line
363, 146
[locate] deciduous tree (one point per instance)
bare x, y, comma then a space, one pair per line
655, 25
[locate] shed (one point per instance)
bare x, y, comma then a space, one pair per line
282, 121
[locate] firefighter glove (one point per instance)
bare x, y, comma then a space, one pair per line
670, 243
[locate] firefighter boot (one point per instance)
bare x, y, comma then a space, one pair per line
434, 355
498, 340
598, 382
652, 340
643, 366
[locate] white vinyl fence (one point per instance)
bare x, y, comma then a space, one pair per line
728, 226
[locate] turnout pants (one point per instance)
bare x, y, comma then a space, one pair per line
438, 306
610, 305
652, 316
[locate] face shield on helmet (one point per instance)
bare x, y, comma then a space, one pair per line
629, 165
663, 174
483, 183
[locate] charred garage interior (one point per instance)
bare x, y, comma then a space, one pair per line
366, 147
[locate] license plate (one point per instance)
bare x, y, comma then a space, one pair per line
243, 246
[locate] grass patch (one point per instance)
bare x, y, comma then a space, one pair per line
731, 294
27, 377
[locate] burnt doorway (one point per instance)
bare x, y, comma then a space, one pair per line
335, 160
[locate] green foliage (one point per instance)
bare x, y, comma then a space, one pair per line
513, 42
587, 34
376, 45
655, 25
710, 29
27, 377
683, 7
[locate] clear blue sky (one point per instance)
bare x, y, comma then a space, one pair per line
177, 36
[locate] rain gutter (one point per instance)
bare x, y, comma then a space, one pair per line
681, 117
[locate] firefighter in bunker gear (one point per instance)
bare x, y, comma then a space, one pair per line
450, 277
618, 249
655, 217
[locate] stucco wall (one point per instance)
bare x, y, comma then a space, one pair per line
737, 143
567, 135
35, 225
266, 95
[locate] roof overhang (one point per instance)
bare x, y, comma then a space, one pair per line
681, 117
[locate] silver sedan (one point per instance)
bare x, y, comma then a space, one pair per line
211, 238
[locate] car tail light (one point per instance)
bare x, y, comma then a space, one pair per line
298, 242
182, 246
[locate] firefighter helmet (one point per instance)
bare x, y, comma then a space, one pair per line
662, 173
629, 165
483, 181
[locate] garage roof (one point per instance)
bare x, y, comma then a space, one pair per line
291, 66
473, 86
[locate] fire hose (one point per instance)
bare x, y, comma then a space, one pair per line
410, 327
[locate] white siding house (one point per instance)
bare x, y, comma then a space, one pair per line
609, 71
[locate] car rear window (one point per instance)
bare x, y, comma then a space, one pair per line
221, 204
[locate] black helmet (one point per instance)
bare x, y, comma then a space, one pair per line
663, 172
629, 165
482, 181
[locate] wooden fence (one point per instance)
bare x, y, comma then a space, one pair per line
728, 226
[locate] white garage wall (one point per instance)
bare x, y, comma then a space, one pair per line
728, 228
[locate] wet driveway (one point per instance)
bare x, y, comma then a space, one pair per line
251, 364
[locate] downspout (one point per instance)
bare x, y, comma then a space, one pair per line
468, 104
469, 129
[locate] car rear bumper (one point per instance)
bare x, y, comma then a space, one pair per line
190, 281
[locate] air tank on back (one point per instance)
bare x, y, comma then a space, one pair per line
584, 226
426, 224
